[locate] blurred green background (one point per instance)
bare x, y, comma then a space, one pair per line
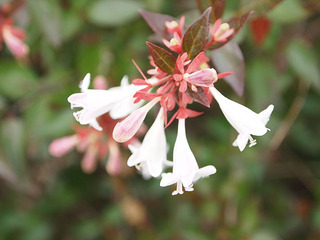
268, 192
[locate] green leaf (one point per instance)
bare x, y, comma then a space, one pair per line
163, 59
303, 60
88, 58
15, 80
229, 58
48, 18
12, 143
261, 75
72, 24
156, 22
113, 13
288, 12
196, 36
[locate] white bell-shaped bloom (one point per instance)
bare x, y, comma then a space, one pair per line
185, 168
96, 102
245, 121
152, 151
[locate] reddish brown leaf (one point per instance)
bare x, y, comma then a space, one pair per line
199, 96
196, 35
156, 22
162, 58
217, 7
229, 58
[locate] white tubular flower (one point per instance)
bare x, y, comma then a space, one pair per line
243, 120
96, 102
126, 105
185, 168
152, 152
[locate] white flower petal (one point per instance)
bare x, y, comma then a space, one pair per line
265, 114
124, 81
96, 102
134, 159
241, 141
204, 172
84, 84
153, 148
168, 179
95, 125
184, 161
124, 107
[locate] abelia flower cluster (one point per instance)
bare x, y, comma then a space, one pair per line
180, 76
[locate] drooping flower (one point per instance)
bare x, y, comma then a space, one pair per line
86, 140
96, 145
96, 102
152, 152
61, 146
245, 121
13, 37
185, 168
114, 162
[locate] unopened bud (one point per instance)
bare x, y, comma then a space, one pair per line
174, 42
203, 78
172, 24
224, 27
127, 128
204, 65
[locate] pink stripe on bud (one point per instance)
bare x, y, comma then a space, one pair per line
127, 128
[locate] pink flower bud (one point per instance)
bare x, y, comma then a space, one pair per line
113, 166
100, 82
89, 161
127, 128
13, 38
203, 78
61, 146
